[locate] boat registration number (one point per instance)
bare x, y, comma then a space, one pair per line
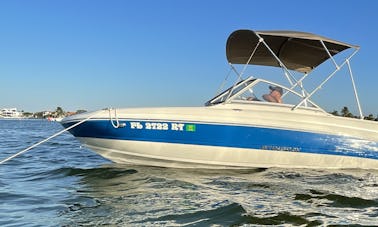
162, 126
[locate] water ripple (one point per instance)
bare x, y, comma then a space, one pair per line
68, 185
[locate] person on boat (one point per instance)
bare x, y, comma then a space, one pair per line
274, 95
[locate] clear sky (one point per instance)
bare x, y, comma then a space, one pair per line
91, 54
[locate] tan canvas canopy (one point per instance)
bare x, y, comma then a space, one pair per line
298, 51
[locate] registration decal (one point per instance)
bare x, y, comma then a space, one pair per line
162, 126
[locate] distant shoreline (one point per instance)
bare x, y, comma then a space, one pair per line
57, 115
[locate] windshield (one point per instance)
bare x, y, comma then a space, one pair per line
259, 90
230, 92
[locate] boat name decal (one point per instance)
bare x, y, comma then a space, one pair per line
280, 148
163, 126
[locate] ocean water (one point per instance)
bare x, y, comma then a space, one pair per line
61, 183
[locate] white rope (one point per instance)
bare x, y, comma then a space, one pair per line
55, 135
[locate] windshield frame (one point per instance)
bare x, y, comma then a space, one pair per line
233, 94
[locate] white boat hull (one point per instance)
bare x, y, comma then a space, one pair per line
193, 156
230, 136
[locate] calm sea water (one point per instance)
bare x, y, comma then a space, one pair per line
61, 183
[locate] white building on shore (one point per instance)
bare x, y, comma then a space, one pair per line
10, 113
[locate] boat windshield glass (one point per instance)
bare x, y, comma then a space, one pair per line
233, 90
258, 90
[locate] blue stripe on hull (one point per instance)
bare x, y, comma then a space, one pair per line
228, 136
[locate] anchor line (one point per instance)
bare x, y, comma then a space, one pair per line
47, 139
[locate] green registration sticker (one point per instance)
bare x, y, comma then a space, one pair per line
190, 128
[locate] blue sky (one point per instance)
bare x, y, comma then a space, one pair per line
95, 54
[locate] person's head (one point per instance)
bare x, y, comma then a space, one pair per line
277, 89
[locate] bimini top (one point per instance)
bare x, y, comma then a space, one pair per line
298, 51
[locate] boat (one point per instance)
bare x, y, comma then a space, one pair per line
10, 113
238, 128
57, 119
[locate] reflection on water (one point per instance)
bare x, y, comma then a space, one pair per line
134, 195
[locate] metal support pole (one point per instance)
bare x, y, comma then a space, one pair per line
287, 72
321, 84
355, 90
330, 56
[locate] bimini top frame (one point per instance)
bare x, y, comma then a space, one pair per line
291, 50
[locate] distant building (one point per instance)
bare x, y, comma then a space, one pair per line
46, 113
10, 113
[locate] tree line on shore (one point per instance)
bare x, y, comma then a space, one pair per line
58, 113
346, 113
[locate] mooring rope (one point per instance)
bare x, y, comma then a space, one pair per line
45, 140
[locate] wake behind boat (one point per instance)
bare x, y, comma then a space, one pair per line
242, 127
